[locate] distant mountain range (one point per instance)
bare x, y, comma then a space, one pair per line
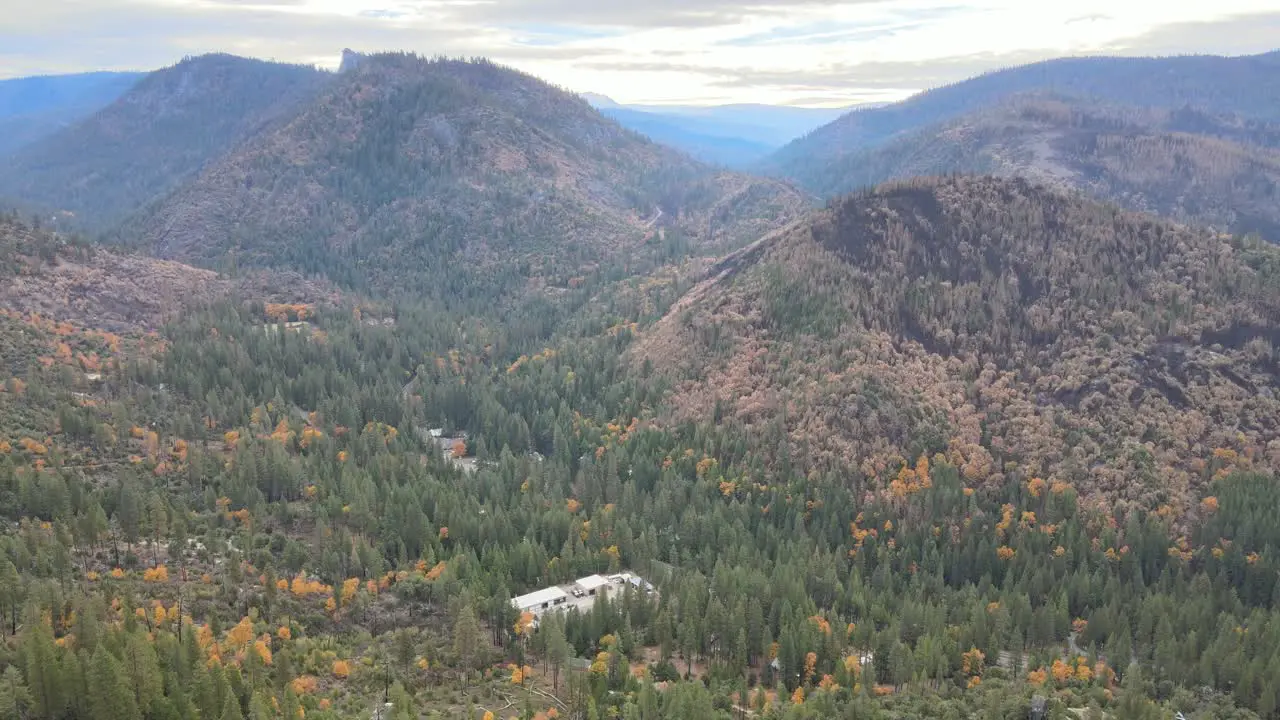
729, 135
34, 107
1193, 138
452, 177
150, 139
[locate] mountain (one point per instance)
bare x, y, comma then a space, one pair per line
730, 135
155, 136
1185, 164
708, 142
1001, 322
34, 107
1247, 86
453, 178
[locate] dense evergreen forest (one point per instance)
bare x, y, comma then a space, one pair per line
244, 515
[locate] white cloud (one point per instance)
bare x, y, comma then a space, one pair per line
641, 51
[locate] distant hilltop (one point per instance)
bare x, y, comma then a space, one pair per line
350, 60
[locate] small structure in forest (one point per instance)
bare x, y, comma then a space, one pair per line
580, 593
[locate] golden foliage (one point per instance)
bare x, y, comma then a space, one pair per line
241, 634
263, 650
972, 662
524, 623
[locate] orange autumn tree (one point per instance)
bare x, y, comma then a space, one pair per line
524, 624
973, 662
810, 665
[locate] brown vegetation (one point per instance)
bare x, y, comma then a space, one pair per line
1021, 331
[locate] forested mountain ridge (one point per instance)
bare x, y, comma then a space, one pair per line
155, 136
440, 174
1248, 86
1019, 329
1184, 164
245, 511
34, 107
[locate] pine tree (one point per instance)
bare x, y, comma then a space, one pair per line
10, 598
14, 698
44, 677
559, 652
109, 691
231, 708
466, 639
143, 670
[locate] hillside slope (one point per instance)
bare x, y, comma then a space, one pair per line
1014, 327
1248, 86
454, 178
155, 136
34, 107
66, 280
1191, 166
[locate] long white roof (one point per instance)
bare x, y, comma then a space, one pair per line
538, 597
592, 582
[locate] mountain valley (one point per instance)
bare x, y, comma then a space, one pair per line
426, 389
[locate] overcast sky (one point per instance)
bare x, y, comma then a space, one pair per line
657, 51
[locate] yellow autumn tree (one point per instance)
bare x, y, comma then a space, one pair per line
523, 624
241, 634
349, 588
263, 650
973, 661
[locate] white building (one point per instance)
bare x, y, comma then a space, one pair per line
580, 593
539, 601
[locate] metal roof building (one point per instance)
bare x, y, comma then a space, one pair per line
543, 599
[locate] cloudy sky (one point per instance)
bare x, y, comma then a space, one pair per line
801, 52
